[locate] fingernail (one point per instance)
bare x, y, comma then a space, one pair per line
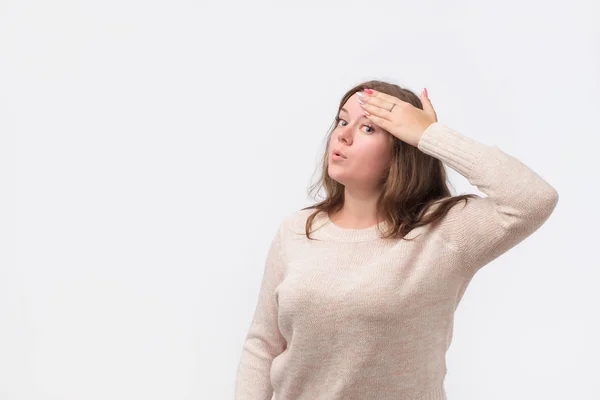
369, 91
425, 91
360, 94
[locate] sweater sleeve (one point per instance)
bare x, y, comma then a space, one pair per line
263, 341
518, 200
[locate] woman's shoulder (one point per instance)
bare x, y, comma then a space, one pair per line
295, 221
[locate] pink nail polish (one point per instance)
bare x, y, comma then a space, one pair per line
369, 91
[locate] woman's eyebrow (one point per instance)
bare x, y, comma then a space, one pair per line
346, 111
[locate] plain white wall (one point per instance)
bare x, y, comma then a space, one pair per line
150, 149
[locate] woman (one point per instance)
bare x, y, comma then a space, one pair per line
359, 291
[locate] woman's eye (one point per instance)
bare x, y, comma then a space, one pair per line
368, 126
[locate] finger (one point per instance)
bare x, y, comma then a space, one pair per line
380, 122
427, 105
379, 96
382, 104
382, 100
375, 110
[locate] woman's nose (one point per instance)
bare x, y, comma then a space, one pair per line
346, 134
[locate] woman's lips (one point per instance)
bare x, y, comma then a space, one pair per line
338, 154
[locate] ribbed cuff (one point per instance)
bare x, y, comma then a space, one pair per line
438, 393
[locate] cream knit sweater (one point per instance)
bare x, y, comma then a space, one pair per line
354, 316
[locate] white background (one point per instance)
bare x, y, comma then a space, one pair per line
150, 149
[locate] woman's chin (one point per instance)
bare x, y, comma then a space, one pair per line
340, 178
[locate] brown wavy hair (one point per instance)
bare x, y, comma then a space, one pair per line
414, 181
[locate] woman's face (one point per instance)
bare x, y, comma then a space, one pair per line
366, 148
